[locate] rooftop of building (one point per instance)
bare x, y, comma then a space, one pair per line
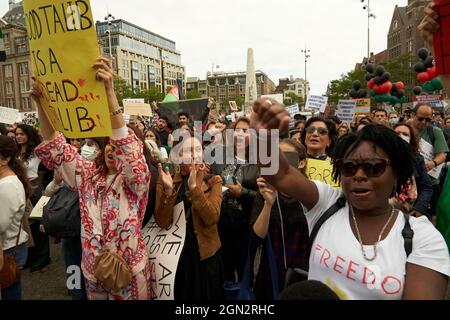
15, 14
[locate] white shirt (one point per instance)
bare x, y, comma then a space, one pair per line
32, 166
12, 208
337, 260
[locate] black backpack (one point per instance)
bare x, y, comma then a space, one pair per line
61, 215
294, 275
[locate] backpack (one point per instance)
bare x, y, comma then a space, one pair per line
61, 215
294, 274
430, 132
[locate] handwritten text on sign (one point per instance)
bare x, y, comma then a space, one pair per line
319, 170
363, 107
63, 47
164, 249
318, 103
8, 115
293, 110
347, 109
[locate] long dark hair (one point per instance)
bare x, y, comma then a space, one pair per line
158, 139
34, 139
332, 133
9, 149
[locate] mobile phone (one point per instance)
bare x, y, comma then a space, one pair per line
229, 179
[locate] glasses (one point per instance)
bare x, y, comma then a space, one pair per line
321, 131
421, 119
372, 168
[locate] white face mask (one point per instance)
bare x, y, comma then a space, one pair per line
89, 152
405, 138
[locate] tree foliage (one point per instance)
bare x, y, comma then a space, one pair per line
124, 91
292, 98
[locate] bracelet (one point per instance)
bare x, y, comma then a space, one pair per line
117, 112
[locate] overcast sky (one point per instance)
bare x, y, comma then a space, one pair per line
212, 31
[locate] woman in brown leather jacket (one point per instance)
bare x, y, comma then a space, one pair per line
200, 270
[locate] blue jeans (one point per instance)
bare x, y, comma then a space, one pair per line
72, 257
14, 292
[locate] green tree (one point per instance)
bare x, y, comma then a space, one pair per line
292, 98
339, 89
122, 89
193, 94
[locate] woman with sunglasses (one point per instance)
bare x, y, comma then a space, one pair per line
416, 203
318, 137
359, 251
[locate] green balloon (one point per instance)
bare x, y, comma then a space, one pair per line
372, 93
428, 87
394, 100
379, 98
387, 97
403, 99
437, 84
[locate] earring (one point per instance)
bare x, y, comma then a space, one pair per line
177, 169
202, 167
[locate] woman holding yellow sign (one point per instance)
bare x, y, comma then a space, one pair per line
113, 196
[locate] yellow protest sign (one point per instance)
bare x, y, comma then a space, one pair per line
63, 46
321, 171
362, 107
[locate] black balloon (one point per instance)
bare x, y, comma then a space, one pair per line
423, 53
385, 77
380, 71
353, 93
429, 62
369, 68
401, 93
394, 88
420, 67
417, 90
356, 85
369, 76
362, 93
378, 80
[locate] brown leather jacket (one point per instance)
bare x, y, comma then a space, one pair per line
205, 211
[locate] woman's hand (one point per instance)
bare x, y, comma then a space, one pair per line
429, 25
36, 92
105, 73
269, 114
166, 179
267, 191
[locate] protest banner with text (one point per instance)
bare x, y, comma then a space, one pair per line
293, 110
63, 49
362, 107
8, 115
321, 170
317, 103
347, 109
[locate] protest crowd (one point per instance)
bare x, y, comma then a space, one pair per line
353, 210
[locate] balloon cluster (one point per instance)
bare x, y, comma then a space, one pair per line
357, 92
426, 73
381, 89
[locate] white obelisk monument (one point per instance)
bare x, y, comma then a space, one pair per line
250, 86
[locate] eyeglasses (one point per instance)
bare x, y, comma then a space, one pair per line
372, 168
321, 131
421, 119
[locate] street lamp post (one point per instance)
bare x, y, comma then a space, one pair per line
369, 15
306, 52
110, 19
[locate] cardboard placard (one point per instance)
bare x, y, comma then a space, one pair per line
435, 101
278, 97
64, 47
8, 115
362, 107
319, 170
137, 107
347, 110
233, 106
317, 103
293, 110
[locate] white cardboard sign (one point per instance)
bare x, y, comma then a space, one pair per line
347, 110
318, 103
8, 115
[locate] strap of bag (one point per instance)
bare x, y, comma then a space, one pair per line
408, 235
273, 269
340, 203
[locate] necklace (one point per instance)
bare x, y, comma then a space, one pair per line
379, 237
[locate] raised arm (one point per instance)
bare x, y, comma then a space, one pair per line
270, 115
165, 199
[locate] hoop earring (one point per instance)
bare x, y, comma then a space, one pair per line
177, 168
202, 167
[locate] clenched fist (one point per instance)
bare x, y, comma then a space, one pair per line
269, 114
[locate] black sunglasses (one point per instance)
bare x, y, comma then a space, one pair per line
372, 168
321, 131
420, 119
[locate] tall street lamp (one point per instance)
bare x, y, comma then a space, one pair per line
306, 52
110, 19
369, 15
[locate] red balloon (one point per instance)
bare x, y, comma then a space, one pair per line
386, 87
378, 89
371, 84
432, 73
400, 85
423, 77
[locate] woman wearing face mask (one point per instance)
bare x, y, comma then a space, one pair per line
113, 196
240, 178
154, 143
363, 230
199, 274
281, 217
419, 204
91, 148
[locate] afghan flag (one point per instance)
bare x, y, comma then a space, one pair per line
173, 95
2, 47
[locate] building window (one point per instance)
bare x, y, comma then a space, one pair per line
125, 64
9, 88
10, 103
26, 103
395, 25
8, 71
23, 69
24, 85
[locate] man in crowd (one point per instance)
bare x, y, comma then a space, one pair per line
381, 117
164, 131
393, 118
433, 146
183, 118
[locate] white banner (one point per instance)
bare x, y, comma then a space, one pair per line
347, 110
8, 115
318, 103
38, 209
293, 110
137, 107
164, 249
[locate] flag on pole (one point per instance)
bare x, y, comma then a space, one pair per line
173, 95
2, 47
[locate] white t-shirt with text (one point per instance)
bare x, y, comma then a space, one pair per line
337, 260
